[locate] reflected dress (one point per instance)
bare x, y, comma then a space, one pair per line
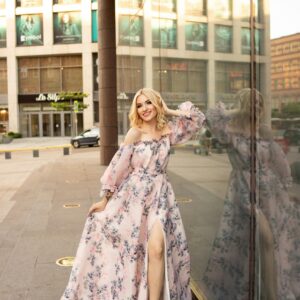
111, 261
227, 273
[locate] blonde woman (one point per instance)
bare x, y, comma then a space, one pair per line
277, 219
133, 244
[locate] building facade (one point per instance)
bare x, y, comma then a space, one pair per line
196, 50
285, 71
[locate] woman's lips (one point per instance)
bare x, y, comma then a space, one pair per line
146, 114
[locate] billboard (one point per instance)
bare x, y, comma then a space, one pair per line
94, 26
195, 8
196, 36
29, 3
223, 39
29, 30
246, 41
164, 33
131, 31
164, 5
2, 32
67, 28
223, 9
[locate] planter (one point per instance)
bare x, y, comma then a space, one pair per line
6, 139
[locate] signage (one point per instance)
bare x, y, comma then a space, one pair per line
47, 97
196, 36
131, 31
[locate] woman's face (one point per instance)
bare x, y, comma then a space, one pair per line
145, 109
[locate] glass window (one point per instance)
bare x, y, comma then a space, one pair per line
29, 3
130, 3
130, 74
94, 26
246, 40
50, 80
2, 32
164, 5
164, 33
2, 4
223, 39
66, 1
72, 79
195, 8
3, 76
223, 9
196, 36
29, 30
131, 31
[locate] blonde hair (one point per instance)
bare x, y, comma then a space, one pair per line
156, 100
241, 115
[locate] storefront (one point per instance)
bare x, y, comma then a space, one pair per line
39, 119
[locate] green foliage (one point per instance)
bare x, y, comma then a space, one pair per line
289, 110
68, 103
14, 135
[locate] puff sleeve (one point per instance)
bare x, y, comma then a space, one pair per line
217, 122
117, 171
183, 127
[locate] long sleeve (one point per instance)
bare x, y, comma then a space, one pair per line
118, 170
280, 164
183, 128
217, 122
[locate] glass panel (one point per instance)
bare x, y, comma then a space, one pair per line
196, 36
29, 81
29, 3
66, 1
67, 124
2, 31
50, 80
72, 79
3, 76
164, 33
46, 125
130, 3
35, 126
195, 8
57, 124
223, 38
223, 9
79, 120
131, 31
164, 5
24, 125
50, 61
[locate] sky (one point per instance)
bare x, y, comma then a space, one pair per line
285, 17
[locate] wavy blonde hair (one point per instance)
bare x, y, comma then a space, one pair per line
156, 100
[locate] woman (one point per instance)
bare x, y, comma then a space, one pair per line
133, 245
277, 219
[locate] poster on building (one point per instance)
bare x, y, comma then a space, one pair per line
223, 39
131, 31
2, 4
94, 26
2, 32
67, 27
164, 33
66, 1
196, 36
167, 6
223, 9
195, 8
246, 41
29, 30
29, 3
130, 3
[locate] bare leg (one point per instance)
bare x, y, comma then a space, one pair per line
156, 266
269, 273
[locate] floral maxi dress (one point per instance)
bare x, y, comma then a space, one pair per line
111, 261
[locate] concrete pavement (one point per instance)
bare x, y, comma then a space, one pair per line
36, 230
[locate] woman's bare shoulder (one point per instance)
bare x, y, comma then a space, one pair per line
133, 135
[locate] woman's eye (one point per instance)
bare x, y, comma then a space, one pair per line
148, 102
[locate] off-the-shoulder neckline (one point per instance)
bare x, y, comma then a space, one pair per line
148, 141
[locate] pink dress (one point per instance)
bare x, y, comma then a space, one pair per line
111, 261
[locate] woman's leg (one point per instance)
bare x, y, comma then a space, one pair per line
156, 265
268, 264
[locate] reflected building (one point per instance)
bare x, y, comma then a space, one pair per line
285, 71
194, 50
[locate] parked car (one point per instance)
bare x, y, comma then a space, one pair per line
89, 137
292, 135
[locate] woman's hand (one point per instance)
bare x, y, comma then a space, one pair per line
98, 206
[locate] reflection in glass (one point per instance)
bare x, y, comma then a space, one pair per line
245, 41
195, 8
28, 3
2, 32
164, 5
164, 33
196, 36
223, 39
67, 124
223, 9
277, 216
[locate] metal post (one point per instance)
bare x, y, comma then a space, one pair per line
107, 80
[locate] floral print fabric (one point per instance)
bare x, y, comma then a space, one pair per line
227, 273
111, 261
